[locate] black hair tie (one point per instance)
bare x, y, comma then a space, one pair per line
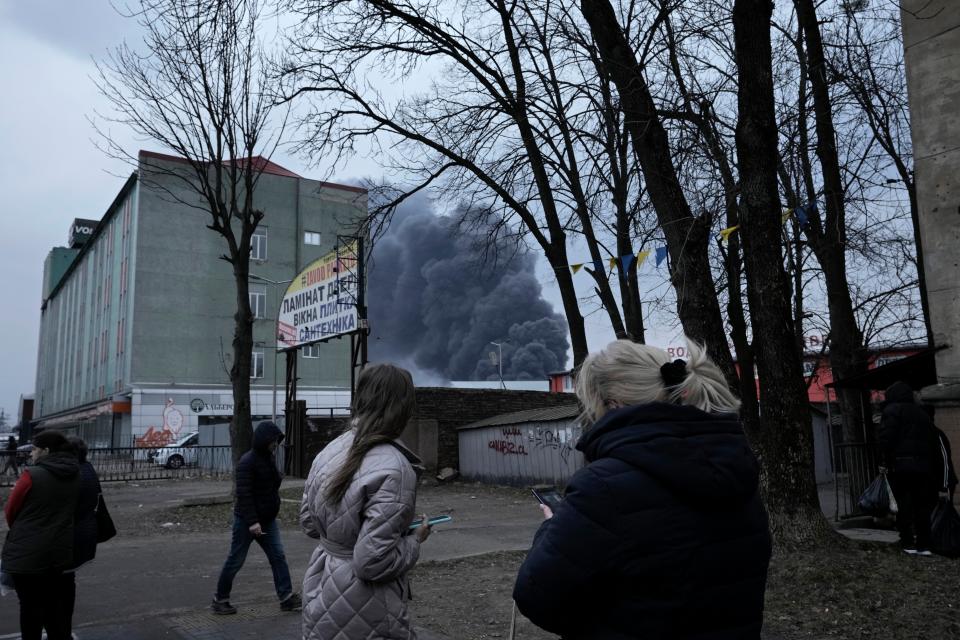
674, 373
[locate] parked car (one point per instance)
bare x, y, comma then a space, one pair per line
182, 451
23, 453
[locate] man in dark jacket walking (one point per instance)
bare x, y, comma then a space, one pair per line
255, 519
910, 449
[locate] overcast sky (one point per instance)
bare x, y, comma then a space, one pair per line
51, 171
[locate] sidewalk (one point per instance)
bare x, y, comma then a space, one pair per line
254, 621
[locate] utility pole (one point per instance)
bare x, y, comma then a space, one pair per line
499, 346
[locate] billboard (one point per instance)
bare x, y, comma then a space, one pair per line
321, 302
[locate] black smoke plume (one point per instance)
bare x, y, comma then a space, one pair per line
437, 300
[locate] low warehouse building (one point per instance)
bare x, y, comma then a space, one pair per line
525, 448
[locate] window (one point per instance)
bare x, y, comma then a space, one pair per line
258, 303
311, 351
311, 237
256, 365
258, 244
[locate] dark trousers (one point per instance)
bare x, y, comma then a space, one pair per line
916, 500
240, 544
46, 602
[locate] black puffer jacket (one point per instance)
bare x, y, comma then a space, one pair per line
908, 439
661, 536
85, 516
258, 479
41, 538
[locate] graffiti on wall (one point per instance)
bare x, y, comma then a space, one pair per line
560, 440
161, 437
507, 447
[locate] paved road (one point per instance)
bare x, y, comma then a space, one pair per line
160, 586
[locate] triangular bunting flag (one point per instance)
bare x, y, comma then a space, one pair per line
786, 216
643, 255
661, 255
804, 212
725, 233
626, 261
576, 267
598, 266
613, 263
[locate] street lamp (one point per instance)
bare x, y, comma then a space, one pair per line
499, 346
275, 283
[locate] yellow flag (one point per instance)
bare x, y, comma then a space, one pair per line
642, 256
725, 233
786, 216
576, 267
613, 263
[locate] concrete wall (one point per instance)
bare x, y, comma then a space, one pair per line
931, 36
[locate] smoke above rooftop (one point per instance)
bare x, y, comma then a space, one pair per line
439, 295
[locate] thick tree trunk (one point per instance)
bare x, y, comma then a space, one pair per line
785, 439
241, 429
686, 235
571, 307
847, 354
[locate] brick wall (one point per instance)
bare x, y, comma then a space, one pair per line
448, 409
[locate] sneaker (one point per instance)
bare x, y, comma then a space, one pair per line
291, 603
222, 607
924, 552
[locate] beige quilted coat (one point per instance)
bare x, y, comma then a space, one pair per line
356, 584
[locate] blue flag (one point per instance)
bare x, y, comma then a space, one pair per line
661, 254
598, 266
626, 261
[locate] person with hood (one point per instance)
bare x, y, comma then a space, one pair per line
255, 519
11, 457
662, 535
910, 449
358, 502
38, 551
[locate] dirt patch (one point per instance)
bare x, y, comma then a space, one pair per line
470, 598
865, 590
854, 591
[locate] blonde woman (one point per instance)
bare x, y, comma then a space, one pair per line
359, 502
662, 534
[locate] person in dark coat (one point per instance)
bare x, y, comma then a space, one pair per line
38, 551
662, 535
85, 515
255, 519
11, 461
910, 448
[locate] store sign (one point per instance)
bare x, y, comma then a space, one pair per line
80, 232
198, 405
321, 302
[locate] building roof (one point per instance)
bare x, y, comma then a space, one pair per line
550, 414
263, 165
918, 370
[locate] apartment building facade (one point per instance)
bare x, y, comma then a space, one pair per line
136, 332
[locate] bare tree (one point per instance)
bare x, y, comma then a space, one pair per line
199, 88
516, 120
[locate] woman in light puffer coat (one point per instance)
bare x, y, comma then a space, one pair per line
359, 502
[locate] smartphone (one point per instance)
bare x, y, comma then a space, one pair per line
431, 521
548, 496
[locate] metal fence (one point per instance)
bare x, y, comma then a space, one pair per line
857, 464
163, 463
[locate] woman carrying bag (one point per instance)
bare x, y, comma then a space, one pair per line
359, 502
